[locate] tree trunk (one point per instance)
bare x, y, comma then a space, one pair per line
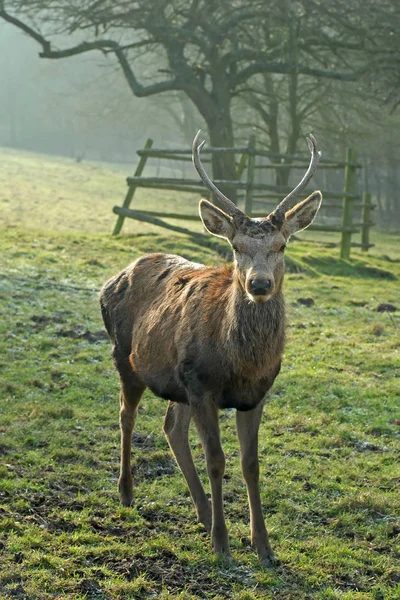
391, 198
188, 118
217, 115
271, 118
221, 136
294, 118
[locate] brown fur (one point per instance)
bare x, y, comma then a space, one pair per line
216, 333
205, 339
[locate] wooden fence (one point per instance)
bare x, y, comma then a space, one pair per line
352, 210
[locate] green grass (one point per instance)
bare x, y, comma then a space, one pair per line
52, 193
329, 442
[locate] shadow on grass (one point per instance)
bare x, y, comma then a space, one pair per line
315, 264
187, 246
330, 265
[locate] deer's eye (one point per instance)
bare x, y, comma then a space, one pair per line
282, 248
235, 248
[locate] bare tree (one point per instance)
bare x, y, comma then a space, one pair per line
285, 106
205, 50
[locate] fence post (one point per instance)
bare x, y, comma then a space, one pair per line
366, 221
349, 187
132, 188
241, 166
248, 203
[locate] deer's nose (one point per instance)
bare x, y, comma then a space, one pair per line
260, 287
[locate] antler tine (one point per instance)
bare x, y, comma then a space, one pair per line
315, 156
225, 203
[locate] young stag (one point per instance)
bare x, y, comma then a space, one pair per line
206, 339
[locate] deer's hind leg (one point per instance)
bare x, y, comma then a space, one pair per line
131, 392
176, 429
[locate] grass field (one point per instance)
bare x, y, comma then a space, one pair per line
329, 442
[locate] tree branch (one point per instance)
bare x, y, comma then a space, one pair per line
102, 45
31, 32
139, 90
284, 69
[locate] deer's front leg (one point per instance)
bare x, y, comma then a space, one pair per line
248, 424
205, 416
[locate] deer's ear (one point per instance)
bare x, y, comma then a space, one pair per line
215, 220
300, 216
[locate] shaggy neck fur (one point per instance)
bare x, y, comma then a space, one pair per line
253, 333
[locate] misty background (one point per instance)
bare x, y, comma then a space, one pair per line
81, 107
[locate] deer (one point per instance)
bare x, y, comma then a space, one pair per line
208, 339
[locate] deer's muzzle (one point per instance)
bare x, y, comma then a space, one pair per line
259, 288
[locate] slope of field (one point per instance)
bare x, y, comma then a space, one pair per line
53, 193
329, 441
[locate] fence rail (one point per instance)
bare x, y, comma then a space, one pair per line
256, 195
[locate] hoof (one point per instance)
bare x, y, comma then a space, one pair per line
205, 518
269, 560
223, 554
125, 494
126, 501
221, 545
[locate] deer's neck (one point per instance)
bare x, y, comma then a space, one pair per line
255, 332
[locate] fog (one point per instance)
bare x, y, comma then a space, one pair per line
79, 107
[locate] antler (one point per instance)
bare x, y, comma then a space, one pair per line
282, 207
227, 205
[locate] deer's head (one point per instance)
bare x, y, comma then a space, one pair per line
259, 244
